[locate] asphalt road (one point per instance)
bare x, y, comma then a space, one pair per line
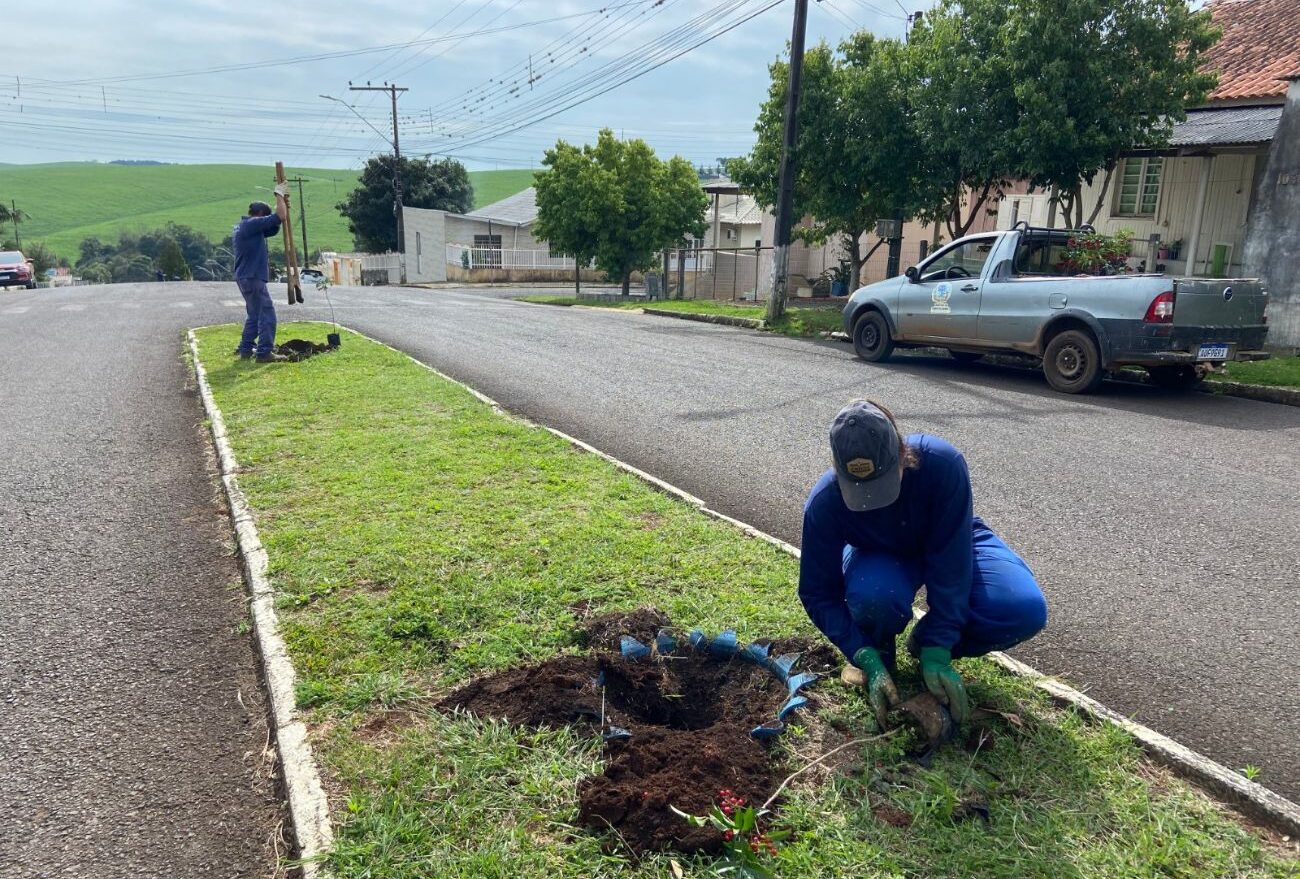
132, 726
1164, 529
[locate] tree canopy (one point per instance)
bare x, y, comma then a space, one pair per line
617, 203
985, 92
442, 185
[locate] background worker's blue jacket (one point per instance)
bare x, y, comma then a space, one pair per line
252, 262
931, 523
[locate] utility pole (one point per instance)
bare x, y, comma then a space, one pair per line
393, 92
302, 217
18, 239
785, 193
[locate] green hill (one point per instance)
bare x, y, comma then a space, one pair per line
71, 201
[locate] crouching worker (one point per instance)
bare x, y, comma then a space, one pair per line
892, 515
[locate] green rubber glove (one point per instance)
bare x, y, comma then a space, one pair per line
942, 680
881, 691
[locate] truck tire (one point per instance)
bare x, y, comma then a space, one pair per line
1072, 362
871, 339
1182, 377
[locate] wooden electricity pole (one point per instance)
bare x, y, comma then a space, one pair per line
789, 162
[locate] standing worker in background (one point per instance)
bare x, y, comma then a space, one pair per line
253, 271
893, 515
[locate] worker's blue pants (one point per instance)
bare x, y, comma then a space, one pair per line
1006, 605
260, 323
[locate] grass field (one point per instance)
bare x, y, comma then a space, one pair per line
417, 538
71, 201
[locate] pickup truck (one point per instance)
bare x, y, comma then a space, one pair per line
1002, 292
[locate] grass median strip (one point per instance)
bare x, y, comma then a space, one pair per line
797, 322
417, 538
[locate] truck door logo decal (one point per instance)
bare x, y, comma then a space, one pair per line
1227, 294
939, 298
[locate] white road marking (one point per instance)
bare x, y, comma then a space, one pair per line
232, 303
72, 308
129, 304
182, 305
17, 309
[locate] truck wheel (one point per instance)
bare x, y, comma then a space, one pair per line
1072, 363
871, 339
1183, 377
965, 356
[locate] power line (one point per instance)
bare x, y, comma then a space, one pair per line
326, 56
619, 77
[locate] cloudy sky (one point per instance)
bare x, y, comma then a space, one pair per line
200, 80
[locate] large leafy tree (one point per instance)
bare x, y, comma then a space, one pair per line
964, 109
1048, 92
442, 185
858, 159
1094, 78
616, 202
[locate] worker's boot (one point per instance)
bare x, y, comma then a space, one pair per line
272, 358
243, 355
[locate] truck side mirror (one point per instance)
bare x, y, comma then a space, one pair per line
912, 274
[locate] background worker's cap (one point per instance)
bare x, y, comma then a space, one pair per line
259, 209
864, 445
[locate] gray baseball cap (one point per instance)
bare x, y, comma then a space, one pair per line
864, 446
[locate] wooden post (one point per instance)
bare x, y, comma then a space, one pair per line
294, 285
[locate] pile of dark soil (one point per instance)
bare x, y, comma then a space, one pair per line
301, 349
689, 714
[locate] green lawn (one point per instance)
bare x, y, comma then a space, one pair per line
797, 321
74, 200
417, 538
1279, 371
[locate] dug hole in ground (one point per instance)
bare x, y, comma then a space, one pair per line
453, 586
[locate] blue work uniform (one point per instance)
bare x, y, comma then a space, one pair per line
252, 271
859, 572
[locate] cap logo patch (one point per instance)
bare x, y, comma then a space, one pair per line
861, 468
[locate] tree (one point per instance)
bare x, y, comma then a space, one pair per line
42, 258
13, 215
617, 203
97, 273
1097, 77
857, 156
443, 185
1049, 92
172, 262
964, 110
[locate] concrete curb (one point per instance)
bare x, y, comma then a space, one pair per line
308, 806
1262, 393
726, 320
1250, 798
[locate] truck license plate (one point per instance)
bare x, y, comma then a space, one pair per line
1212, 352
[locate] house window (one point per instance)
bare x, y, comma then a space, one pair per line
1138, 187
487, 250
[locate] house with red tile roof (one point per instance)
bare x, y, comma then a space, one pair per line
1221, 199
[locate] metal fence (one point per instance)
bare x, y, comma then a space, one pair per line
718, 273
469, 257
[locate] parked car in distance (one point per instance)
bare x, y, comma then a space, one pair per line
1003, 292
16, 270
311, 276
